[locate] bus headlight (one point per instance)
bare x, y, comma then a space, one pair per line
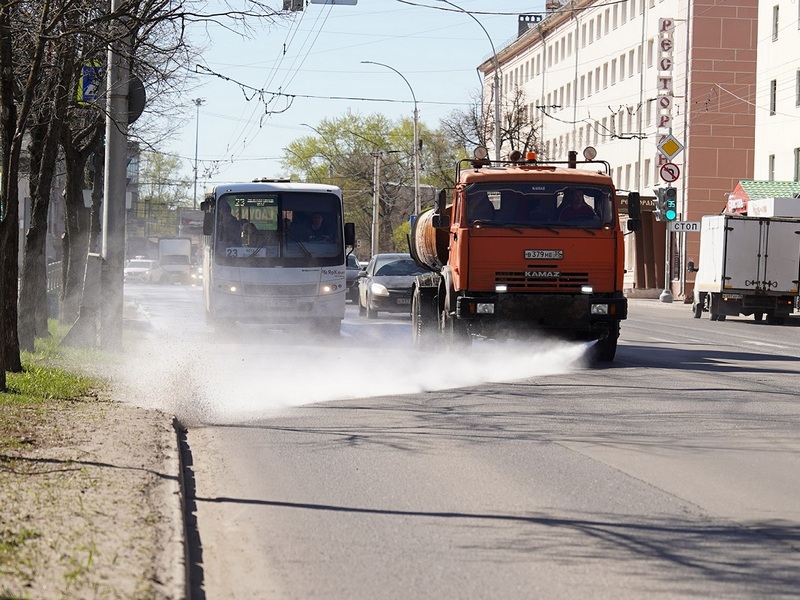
329, 288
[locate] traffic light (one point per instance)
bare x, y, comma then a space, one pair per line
670, 210
658, 209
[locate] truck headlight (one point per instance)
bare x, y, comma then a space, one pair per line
599, 309
484, 308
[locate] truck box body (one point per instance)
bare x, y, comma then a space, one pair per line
773, 207
747, 265
175, 258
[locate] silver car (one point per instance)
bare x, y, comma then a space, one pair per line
142, 270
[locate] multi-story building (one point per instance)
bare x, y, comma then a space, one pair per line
777, 98
622, 77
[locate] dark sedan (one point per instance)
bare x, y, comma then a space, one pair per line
385, 284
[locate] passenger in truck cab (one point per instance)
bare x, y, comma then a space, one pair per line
575, 208
480, 208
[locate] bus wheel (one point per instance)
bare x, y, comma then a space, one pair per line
329, 327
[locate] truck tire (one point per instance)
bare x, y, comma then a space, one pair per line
454, 332
698, 310
424, 322
773, 320
605, 349
758, 316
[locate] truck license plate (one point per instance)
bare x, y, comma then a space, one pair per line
551, 254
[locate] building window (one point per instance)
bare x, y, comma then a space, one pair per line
650, 48
646, 172
797, 89
771, 168
773, 92
775, 11
796, 164
621, 67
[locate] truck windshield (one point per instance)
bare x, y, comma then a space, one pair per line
278, 228
540, 204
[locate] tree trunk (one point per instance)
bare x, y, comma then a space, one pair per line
33, 284
9, 205
76, 238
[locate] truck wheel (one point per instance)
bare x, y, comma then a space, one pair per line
454, 332
424, 324
371, 314
605, 349
773, 320
361, 310
758, 317
698, 310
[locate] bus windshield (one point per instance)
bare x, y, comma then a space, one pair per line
278, 227
550, 204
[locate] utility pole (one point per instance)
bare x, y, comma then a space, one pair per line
197, 102
497, 136
376, 204
417, 207
113, 237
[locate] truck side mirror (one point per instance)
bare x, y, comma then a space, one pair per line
634, 211
690, 267
440, 221
634, 206
441, 202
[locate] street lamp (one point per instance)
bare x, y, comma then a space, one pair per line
417, 207
197, 102
497, 140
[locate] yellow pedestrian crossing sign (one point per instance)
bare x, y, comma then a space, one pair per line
669, 146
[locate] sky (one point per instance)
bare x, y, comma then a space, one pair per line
315, 56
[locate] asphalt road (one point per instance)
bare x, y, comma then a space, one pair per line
363, 469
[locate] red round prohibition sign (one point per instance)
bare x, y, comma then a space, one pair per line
670, 172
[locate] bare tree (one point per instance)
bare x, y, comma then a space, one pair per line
474, 126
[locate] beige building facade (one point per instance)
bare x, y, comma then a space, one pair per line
638, 80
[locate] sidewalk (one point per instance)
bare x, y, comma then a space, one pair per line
92, 500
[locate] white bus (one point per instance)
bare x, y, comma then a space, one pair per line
275, 253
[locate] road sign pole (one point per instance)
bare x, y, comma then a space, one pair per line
666, 295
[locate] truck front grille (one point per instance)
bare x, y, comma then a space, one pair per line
536, 278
